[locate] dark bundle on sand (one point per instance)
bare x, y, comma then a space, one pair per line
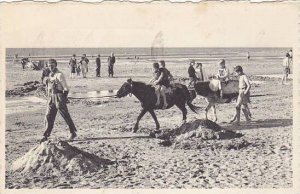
204, 129
194, 135
56, 159
25, 89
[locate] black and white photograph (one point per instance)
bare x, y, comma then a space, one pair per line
120, 95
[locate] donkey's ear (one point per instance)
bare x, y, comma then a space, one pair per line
129, 80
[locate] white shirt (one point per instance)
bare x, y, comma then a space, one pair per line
57, 78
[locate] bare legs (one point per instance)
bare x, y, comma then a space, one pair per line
210, 104
161, 90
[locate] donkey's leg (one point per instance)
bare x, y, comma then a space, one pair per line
183, 110
215, 112
155, 119
136, 126
207, 109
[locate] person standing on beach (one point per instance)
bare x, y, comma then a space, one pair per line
291, 57
84, 65
286, 70
57, 92
24, 61
223, 75
111, 61
201, 76
72, 65
248, 56
98, 66
192, 75
243, 97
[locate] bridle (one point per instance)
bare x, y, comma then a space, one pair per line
130, 92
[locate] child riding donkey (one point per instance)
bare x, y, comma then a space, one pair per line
161, 79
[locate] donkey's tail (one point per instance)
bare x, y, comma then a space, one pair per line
194, 108
189, 98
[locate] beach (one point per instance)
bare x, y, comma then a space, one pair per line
104, 126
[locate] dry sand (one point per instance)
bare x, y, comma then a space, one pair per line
260, 158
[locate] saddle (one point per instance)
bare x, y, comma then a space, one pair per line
228, 87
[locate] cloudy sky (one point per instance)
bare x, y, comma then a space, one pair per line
144, 25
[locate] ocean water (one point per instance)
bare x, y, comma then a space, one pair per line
119, 52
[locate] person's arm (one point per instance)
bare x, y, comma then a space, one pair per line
225, 75
248, 84
63, 82
160, 78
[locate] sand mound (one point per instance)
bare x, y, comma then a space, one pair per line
41, 91
194, 134
204, 129
50, 158
24, 89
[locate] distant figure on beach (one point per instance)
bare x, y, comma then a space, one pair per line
98, 66
57, 92
291, 57
223, 75
192, 75
200, 73
84, 65
73, 66
243, 97
15, 58
111, 61
286, 69
24, 61
248, 56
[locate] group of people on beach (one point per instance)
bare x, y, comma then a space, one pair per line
57, 89
82, 66
162, 79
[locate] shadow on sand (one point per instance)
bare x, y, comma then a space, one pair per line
109, 138
267, 123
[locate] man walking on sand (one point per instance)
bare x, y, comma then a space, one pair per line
57, 92
111, 61
98, 66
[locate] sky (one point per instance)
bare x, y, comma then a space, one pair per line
153, 24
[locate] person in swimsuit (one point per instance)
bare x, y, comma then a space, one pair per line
223, 75
243, 97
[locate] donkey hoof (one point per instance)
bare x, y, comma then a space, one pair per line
152, 135
134, 129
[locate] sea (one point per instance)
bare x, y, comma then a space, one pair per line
148, 51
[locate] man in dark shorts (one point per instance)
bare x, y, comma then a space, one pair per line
111, 61
57, 92
98, 65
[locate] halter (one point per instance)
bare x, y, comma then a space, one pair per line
130, 93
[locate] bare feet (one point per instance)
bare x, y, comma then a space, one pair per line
165, 106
